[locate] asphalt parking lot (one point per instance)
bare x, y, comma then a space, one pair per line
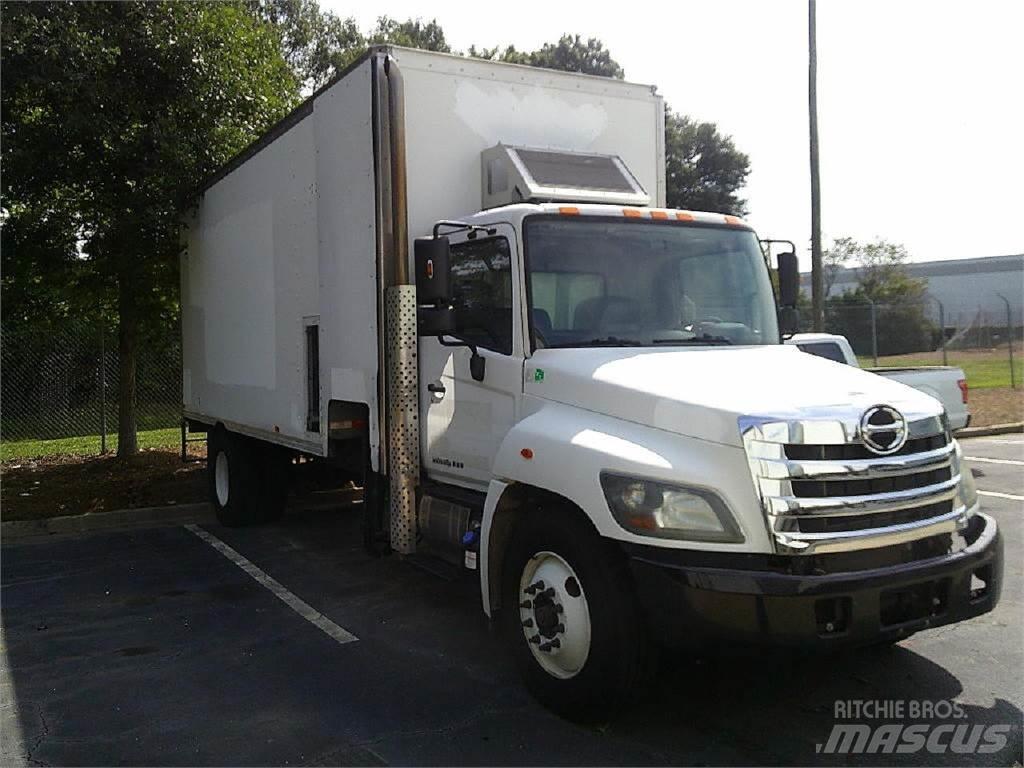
156, 647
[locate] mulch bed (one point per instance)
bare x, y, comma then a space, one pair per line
69, 485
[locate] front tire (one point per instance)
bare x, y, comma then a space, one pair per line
570, 617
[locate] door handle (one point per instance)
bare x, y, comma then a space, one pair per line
437, 388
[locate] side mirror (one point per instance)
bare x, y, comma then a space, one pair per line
433, 270
789, 321
789, 279
434, 316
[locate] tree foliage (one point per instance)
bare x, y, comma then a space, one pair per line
113, 113
411, 33
898, 300
703, 169
570, 54
315, 43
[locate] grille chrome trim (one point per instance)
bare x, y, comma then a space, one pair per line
859, 505
783, 468
773, 473
866, 538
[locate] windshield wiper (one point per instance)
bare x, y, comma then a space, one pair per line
705, 340
607, 341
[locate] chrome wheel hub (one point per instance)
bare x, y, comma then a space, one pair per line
554, 615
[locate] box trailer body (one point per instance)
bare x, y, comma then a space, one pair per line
460, 279
288, 239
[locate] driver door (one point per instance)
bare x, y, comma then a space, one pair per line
463, 421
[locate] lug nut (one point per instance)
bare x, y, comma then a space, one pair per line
526, 604
549, 592
538, 585
547, 647
535, 639
527, 623
559, 628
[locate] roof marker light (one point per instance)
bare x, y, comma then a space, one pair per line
659, 215
684, 216
631, 213
569, 210
736, 221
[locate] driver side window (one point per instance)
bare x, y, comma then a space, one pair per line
482, 287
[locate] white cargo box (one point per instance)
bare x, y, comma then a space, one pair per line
282, 250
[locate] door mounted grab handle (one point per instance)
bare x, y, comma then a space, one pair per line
437, 389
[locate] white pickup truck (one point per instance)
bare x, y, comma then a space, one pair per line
945, 383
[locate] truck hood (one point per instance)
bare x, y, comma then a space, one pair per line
702, 392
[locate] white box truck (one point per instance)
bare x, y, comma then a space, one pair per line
459, 279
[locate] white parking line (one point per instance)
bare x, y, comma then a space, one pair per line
301, 607
983, 460
998, 495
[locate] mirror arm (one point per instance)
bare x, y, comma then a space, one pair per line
477, 363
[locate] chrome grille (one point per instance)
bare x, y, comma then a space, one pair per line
822, 490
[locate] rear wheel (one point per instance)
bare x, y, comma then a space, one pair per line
570, 617
274, 480
231, 478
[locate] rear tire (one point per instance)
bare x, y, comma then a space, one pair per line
231, 478
273, 464
586, 604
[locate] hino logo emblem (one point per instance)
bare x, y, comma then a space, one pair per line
883, 429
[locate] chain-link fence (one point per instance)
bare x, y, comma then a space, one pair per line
984, 342
63, 383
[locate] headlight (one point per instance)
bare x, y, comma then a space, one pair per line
666, 511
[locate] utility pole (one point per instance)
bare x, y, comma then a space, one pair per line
817, 276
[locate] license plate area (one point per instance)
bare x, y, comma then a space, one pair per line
913, 603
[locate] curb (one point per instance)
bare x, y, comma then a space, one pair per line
995, 429
143, 517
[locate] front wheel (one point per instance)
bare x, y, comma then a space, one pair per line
570, 617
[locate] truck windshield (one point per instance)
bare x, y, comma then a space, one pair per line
610, 282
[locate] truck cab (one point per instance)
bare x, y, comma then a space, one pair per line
635, 400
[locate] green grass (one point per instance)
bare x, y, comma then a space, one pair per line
982, 371
86, 445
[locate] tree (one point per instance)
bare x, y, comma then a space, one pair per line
837, 257
884, 288
411, 34
113, 114
703, 169
315, 43
569, 54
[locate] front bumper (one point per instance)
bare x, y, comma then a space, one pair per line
690, 598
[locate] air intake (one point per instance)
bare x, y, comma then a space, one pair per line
519, 174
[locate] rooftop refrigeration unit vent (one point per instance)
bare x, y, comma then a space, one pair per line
520, 175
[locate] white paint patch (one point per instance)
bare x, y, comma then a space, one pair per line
983, 460
496, 110
237, 275
301, 607
997, 495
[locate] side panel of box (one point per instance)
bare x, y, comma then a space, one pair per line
285, 241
